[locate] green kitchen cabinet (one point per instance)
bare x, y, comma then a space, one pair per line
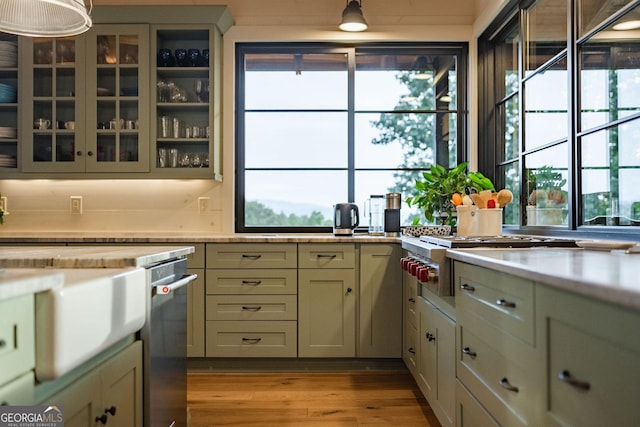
380, 301
10, 79
195, 302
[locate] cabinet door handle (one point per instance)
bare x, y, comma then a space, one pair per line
251, 256
79, 153
254, 308
111, 410
469, 352
565, 376
349, 290
252, 340
89, 153
466, 287
506, 385
505, 303
102, 419
430, 337
412, 300
411, 350
252, 282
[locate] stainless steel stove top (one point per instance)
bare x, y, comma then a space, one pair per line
502, 241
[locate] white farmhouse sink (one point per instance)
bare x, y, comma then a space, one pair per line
93, 310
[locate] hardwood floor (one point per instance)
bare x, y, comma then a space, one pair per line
353, 398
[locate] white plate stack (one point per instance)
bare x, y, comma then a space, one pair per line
7, 132
7, 161
8, 54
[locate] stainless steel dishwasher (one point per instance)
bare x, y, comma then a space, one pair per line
165, 345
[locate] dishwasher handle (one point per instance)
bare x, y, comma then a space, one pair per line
167, 289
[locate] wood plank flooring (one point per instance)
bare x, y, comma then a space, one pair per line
350, 398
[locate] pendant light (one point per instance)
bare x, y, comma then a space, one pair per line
352, 18
44, 18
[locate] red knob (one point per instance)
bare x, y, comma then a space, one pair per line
423, 274
404, 263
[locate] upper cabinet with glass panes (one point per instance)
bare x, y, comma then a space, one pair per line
88, 103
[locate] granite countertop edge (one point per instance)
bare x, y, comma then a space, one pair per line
190, 237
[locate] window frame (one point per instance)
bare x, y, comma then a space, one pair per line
459, 49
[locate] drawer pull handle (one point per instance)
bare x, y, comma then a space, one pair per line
505, 303
254, 308
469, 352
102, 419
565, 377
430, 337
3, 343
506, 385
412, 300
111, 410
466, 287
252, 340
251, 256
411, 350
252, 282
327, 256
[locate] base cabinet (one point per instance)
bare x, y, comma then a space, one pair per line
436, 360
110, 394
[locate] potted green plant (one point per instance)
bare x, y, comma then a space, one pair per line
547, 201
438, 185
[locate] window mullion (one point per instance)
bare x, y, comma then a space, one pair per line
351, 138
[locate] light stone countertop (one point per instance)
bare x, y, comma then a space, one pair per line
612, 276
88, 256
22, 281
182, 237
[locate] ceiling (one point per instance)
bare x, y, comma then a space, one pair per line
328, 12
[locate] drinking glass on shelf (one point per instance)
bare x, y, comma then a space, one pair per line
196, 160
185, 160
202, 90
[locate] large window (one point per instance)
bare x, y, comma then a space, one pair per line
573, 102
321, 124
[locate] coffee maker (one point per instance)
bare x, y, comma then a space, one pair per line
392, 215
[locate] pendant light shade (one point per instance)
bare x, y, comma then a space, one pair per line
44, 18
352, 18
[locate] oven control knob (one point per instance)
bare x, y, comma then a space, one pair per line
404, 263
423, 274
414, 268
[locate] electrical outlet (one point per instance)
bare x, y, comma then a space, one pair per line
76, 204
203, 205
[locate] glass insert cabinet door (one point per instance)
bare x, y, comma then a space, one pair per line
117, 98
53, 86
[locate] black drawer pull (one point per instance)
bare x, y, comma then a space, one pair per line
505, 303
411, 350
412, 300
469, 352
251, 256
102, 419
3, 343
327, 256
466, 287
506, 385
252, 340
565, 377
252, 282
254, 308
111, 410
429, 336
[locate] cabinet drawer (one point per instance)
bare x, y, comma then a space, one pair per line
252, 307
504, 301
251, 339
17, 348
18, 391
254, 255
245, 282
411, 296
469, 411
504, 387
329, 255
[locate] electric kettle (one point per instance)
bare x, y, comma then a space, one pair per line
345, 219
